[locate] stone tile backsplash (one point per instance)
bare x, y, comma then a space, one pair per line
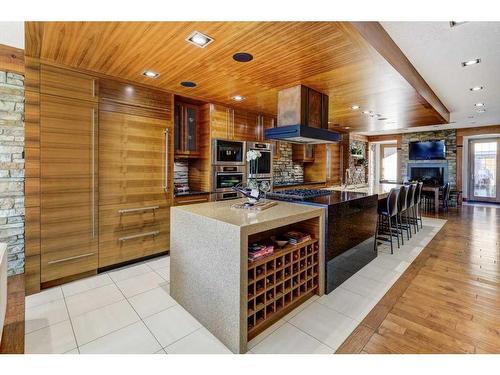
12, 169
284, 169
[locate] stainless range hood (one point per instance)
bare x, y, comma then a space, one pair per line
302, 117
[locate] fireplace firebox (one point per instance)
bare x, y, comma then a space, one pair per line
434, 174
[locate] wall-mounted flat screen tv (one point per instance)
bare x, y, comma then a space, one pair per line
427, 150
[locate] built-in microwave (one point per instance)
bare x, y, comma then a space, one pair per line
228, 152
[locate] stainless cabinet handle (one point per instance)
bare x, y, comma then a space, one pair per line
93, 172
155, 233
70, 258
165, 186
127, 210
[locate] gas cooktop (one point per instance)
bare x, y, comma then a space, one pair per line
297, 194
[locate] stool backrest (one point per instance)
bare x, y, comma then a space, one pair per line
418, 192
392, 202
403, 198
411, 195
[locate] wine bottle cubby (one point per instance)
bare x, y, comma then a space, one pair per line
280, 282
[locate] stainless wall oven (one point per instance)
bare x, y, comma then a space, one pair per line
225, 177
228, 152
263, 169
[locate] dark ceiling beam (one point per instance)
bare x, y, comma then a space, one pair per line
379, 39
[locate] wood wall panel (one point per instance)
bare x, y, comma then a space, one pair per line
316, 171
67, 83
200, 169
32, 231
11, 59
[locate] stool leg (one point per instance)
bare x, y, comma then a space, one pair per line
390, 234
376, 235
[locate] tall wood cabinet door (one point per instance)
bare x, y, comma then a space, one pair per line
220, 122
68, 192
269, 122
135, 166
245, 126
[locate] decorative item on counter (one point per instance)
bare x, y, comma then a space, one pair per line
253, 189
258, 251
296, 237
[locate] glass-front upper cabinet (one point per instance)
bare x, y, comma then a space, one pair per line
186, 130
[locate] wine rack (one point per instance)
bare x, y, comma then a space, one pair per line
280, 282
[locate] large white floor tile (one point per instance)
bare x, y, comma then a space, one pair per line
57, 338
45, 315
365, 286
265, 333
290, 340
129, 271
390, 263
301, 307
383, 275
200, 341
43, 297
133, 339
164, 272
171, 325
163, 262
151, 302
100, 322
86, 284
139, 284
348, 303
93, 299
324, 324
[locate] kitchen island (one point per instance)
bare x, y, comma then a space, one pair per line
351, 219
212, 278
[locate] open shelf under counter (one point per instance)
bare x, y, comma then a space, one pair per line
212, 278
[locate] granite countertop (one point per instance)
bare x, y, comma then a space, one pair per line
188, 193
337, 197
291, 184
283, 213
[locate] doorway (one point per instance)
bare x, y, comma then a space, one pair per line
484, 162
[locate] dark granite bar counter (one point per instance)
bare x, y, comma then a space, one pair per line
293, 184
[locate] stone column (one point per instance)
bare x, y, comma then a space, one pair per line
12, 168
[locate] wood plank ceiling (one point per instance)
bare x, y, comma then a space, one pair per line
331, 57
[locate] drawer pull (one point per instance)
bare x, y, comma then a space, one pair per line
138, 209
70, 258
155, 233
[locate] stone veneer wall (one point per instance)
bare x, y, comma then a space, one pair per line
12, 169
450, 137
284, 169
181, 170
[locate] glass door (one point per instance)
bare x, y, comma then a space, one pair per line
388, 162
484, 170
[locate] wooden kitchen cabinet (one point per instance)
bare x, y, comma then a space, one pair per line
67, 83
186, 123
68, 191
268, 122
303, 153
233, 124
136, 150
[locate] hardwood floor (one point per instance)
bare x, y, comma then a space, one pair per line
13, 330
448, 300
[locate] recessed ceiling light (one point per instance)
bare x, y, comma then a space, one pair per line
150, 74
188, 84
471, 62
366, 112
479, 105
347, 127
238, 98
199, 39
476, 88
354, 107
242, 57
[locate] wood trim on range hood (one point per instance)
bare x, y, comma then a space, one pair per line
375, 34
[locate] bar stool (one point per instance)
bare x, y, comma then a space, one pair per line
418, 204
387, 211
410, 206
402, 212
446, 196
